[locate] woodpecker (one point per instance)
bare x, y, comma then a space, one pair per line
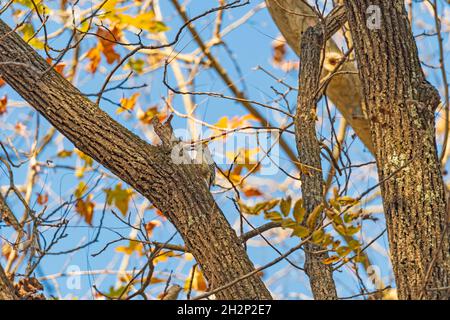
203, 159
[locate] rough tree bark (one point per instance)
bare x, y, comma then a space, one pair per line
401, 106
173, 189
320, 275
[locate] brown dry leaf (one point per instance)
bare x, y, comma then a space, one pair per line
28, 288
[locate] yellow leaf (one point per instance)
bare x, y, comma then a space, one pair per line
343, 251
188, 256
37, 4
299, 211
285, 206
198, 282
64, 154
145, 21
80, 190
331, 260
273, 216
288, 223
85, 208
162, 257
301, 232
30, 36
119, 197
127, 104
318, 236
314, 217
133, 246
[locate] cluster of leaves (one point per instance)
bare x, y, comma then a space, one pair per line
309, 225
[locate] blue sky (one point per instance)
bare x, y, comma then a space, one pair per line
250, 45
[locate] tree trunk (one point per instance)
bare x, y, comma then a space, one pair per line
320, 275
400, 107
174, 189
308, 146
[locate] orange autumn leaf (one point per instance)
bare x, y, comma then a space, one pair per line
42, 198
59, 67
252, 192
152, 225
146, 116
2, 82
85, 208
279, 51
160, 214
94, 56
107, 41
198, 282
3, 104
105, 46
331, 260
127, 104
